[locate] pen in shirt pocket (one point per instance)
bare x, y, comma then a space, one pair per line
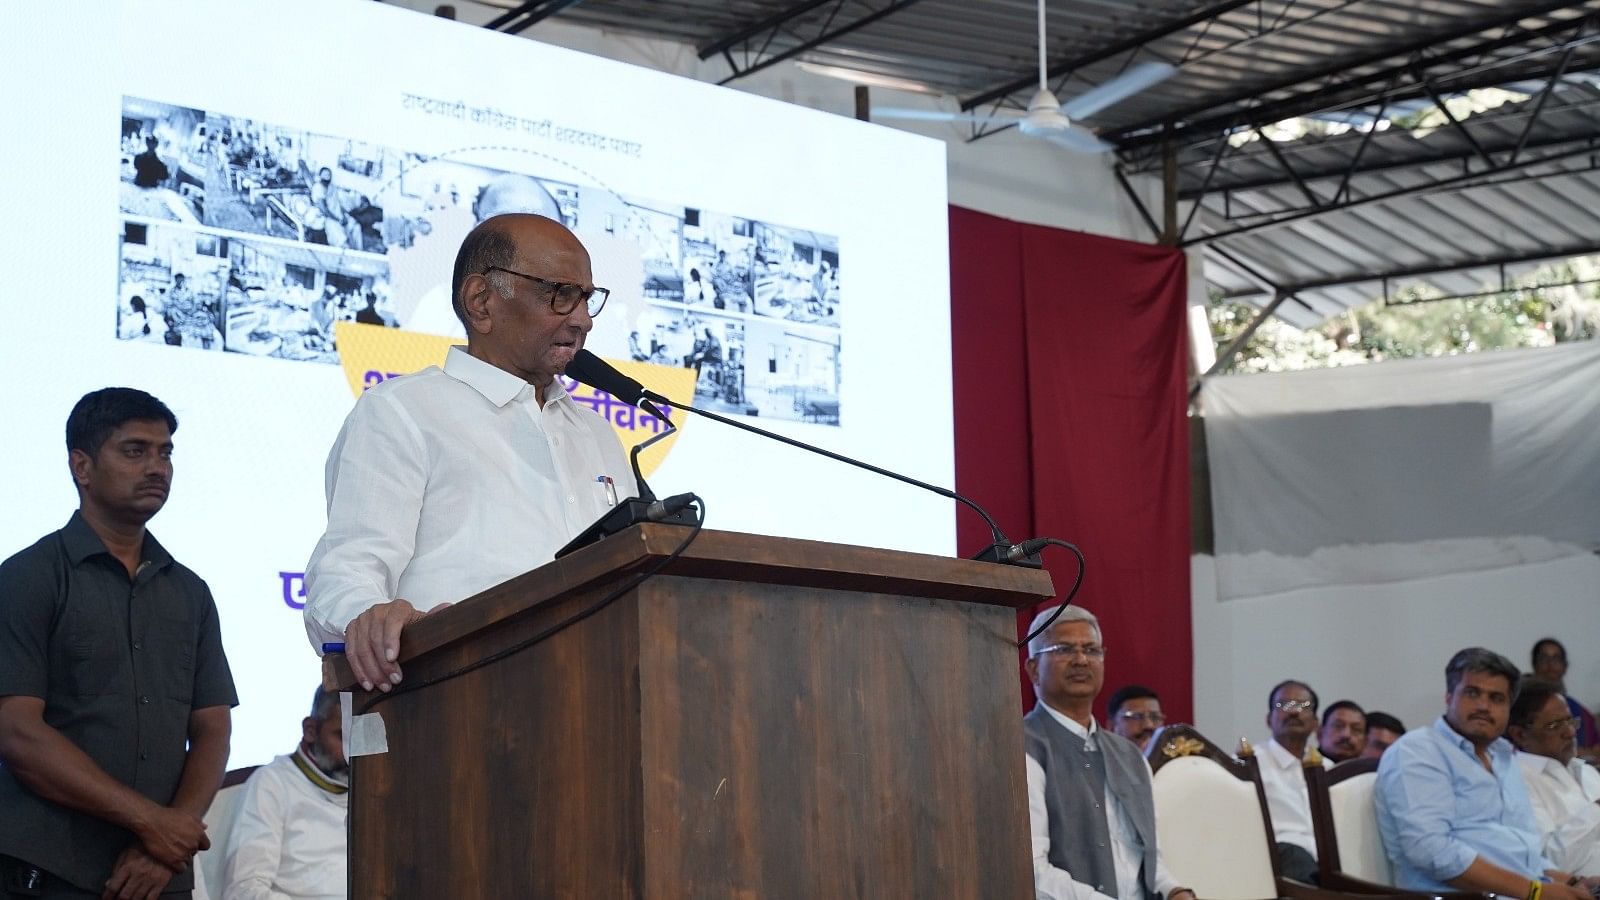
608, 487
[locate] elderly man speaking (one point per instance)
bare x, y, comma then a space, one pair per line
450, 481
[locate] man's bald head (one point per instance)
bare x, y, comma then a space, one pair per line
514, 193
511, 316
497, 241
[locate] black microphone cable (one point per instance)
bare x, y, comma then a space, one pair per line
1028, 548
601, 375
999, 550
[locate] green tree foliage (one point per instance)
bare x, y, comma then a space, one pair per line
1553, 304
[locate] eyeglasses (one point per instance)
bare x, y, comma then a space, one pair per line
1092, 651
1569, 722
1154, 718
564, 297
1295, 705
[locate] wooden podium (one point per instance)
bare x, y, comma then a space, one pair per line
765, 718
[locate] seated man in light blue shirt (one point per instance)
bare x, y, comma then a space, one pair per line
1453, 810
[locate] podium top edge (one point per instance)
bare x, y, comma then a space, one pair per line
725, 555
978, 582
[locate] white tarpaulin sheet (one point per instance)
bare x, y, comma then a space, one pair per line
1404, 469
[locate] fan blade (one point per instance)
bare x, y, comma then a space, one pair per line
1078, 140
1005, 116
1118, 89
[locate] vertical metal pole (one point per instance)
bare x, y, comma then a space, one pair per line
1138, 204
863, 103
1169, 191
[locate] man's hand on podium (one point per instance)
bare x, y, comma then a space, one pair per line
372, 642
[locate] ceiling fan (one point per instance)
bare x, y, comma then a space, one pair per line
1046, 117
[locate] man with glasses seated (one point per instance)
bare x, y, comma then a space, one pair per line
1292, 717
1564, 790
452, 480
1452, 805
1135, 713
1089, 801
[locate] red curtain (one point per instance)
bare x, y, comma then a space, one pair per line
1069, 357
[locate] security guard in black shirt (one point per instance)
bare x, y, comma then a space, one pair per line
115, 695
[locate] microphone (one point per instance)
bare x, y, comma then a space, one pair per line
1001, 550
600, 375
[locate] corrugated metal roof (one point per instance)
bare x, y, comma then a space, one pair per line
1547, 205
1237, 54
1244, 64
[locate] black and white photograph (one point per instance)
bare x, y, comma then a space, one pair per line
716, 353
791, 371
746, 365
663, 336
289, 183
285, 299
659, 235
164, 156
758, 320
796, 275
711, 344
277, 234
240, 174
173, 282
236, 174
187, 288
657, 230
717, 250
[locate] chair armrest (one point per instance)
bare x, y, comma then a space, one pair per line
1338, 881
1299, 890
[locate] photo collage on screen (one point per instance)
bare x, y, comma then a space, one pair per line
247, 237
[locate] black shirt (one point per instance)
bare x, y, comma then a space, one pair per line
148, 170
120, 664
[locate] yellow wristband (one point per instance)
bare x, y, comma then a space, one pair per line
1535, 890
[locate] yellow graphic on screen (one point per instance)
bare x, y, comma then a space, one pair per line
372, 354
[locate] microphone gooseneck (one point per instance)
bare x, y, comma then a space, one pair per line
1002, 550
602, 376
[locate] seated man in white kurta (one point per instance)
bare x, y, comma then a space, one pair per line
1292, 717
288, 842
1562, 788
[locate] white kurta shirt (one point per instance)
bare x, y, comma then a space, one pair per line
1284, 780
288, 842
1127, 851
1564, 800
447, 482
